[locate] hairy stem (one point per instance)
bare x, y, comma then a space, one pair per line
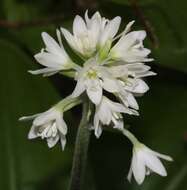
80, 153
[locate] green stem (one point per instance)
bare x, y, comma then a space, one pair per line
130, 136
68, 103
81, 149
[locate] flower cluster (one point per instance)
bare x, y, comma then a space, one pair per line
113, 64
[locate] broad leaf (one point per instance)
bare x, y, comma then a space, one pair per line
26, 164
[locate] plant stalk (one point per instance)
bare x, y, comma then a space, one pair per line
80, 152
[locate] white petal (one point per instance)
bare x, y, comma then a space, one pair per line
146, 74
58, 33
49, 60
26, 118
63, 141
137, 67
118, 71
137, 86
94, 32
87, 19
45, 117
137, 35
32, 133
94, 92
97, 127
119, 125
128, 27
104, 112
139, 70
79, 26
110, 85
98, 131
49, 74
46, 71
138, 168
110, 30
51, 45
96, 16
113, 26
141, 87
117, 107
135, 54
155, 164
163, 156
51, 141
129, 176
128, 99
62, 127
132, 101
127, 41
69, 38
79, 89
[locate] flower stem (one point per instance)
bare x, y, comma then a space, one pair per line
81, 149
130, 136
68, 103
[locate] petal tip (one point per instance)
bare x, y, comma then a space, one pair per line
22, 118
44, 34
32, 72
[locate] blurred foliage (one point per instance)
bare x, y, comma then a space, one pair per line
25, 164
30, 165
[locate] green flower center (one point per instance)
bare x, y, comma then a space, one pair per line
92, 74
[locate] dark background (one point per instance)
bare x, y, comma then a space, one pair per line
162, 125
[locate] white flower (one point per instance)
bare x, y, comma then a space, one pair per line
94, 78
145, 161
49, 125
109, 29
53, 57
135, 70
108, 112
130, 47
130, 82
90, 34
85, 35
134, 83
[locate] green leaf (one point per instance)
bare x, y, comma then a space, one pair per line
26, 164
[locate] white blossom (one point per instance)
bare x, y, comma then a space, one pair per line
53, 57
109, 29
48, 125
130, 82
91, 33
130, 47
117, 69
94, 78
108, 112
145, 161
